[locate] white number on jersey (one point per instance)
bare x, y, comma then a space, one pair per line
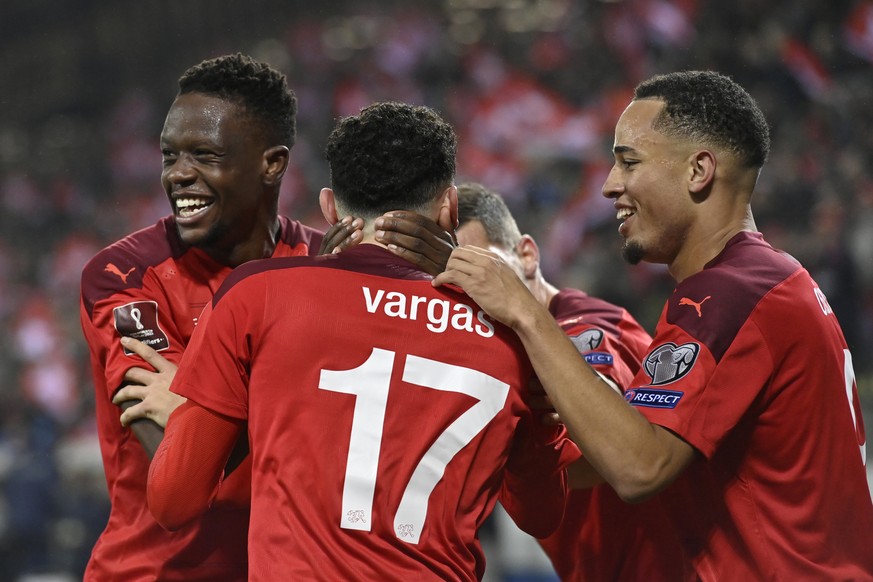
370, 383
849, 373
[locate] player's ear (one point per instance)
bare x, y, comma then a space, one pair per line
328, 205
275, 164
448, 213
701, 171
529, 254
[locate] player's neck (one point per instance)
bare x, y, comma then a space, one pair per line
260, 245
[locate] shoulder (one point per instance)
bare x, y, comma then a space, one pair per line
574, 309
295, 233
123, 264
264, 268
714, 304
569, 304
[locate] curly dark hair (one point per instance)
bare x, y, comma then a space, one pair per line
390, 156
712, 108
476, 202
261, 90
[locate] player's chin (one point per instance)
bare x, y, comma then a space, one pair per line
633, 252
196, 236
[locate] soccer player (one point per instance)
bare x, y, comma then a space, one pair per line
225, 146
600, 537
744, 417
380, 410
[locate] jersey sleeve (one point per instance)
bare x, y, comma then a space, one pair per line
185, 474
682, 388
214, 372
142, 313
604, 353
534, 489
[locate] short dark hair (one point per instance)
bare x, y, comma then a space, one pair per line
259, 89
390, 156
712, 108
476, 202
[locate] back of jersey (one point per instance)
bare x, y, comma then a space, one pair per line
381, 412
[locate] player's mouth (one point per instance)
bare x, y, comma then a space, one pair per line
624, 214
189, 208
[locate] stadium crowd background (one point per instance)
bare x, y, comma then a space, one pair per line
532, 86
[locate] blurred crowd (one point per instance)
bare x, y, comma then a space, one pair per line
533, 87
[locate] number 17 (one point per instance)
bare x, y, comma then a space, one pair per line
370, 383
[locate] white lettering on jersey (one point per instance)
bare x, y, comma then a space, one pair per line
822, 301
440, 313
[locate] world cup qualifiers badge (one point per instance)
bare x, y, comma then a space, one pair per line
139, 320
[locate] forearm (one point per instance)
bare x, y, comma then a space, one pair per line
147, 431
634, 456
186, 470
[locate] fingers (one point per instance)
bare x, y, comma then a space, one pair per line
416, 238
458, 269
156, 360
138, 376
135, 412
130, 392
344, 234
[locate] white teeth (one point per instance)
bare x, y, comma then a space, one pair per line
186, 202
191, 206
624, 213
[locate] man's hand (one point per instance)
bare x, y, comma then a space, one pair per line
151, 388
418, 239
344, 234
491, 283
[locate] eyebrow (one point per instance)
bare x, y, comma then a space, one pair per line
622, 149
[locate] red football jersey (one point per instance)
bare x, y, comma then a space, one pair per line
380, 410
152, 287
600, 536
750, 367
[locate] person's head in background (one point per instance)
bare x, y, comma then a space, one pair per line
391, 156
225, 145
485, 221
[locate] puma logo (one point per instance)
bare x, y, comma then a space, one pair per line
115, 271
694, 304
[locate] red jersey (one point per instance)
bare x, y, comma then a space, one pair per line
152, 287
380, 410
600, 536
750, 367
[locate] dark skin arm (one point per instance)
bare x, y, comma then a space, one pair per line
147, 431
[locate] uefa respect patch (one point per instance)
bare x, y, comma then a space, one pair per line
139, 320
669, 362
598, 358
588, 340
653, 398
